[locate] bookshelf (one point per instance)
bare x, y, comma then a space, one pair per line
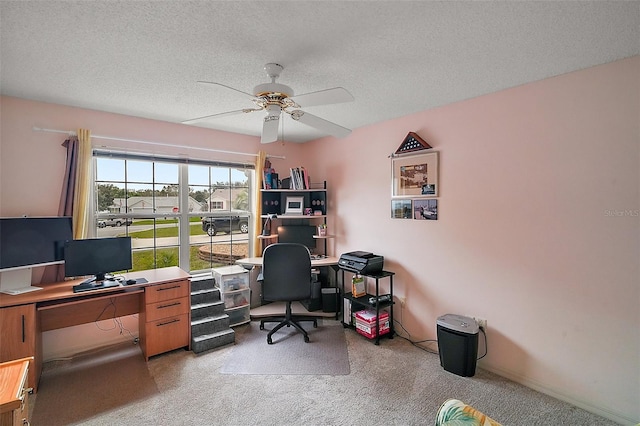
274, 203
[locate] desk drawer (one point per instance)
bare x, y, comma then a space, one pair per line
167, 334
167, 308
166, 291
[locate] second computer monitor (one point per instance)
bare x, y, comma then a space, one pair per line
301, 234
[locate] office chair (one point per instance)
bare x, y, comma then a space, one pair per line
286, 276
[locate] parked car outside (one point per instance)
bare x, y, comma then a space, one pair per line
114, 221
225, 222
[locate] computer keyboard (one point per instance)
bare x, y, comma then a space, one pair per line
95, 286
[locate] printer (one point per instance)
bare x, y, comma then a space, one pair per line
361, 262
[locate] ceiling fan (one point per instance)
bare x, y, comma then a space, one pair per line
276, 99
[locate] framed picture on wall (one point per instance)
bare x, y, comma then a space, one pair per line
401, 209
425, 209
415, 175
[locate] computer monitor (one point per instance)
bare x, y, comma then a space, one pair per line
98, 257
28, 242
301, 234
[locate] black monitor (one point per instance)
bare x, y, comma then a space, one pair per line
27, 242
98, 257
301, 234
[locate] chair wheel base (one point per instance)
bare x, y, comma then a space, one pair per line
269, 341
306, 339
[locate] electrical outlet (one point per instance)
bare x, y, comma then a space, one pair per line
403, 301
482, 323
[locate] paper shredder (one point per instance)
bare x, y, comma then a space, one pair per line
458, 344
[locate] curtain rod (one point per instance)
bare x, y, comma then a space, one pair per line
73, 133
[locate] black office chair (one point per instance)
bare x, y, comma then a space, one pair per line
286, 276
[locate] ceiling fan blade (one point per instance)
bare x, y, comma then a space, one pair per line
221, 114
270, 129
227, 87
323, 97
321, 124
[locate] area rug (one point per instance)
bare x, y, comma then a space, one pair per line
76, 390
326, 353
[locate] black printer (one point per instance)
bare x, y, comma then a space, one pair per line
361, 262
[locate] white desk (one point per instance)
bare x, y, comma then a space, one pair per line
272, 309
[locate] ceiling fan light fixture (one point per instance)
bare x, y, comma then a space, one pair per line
273, 110
296, 114
275, 98
273, 90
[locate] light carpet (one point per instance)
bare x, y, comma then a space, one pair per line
326, 352
91, 384
394, 383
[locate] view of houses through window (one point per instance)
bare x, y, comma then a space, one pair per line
196, 216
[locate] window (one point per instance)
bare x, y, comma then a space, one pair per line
196, 216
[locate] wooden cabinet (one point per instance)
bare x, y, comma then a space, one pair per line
165, 313
20, 338
14, 393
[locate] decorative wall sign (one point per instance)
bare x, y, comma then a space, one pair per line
401, 209
415, 175
425, 209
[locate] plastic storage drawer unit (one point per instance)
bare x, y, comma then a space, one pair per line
230, 278
458, 344
236, 299
238, 316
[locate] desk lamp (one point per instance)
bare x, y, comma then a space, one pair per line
266, 229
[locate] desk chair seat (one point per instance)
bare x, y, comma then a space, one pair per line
286, 276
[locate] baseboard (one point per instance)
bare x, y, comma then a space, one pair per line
604, 412
71, 351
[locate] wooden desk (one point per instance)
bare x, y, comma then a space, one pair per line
272, 309
315, 263
14, 394
163, 303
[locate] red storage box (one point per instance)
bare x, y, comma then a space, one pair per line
366, 323
368, 316
370, 331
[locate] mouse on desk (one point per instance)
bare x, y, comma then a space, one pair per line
129, 282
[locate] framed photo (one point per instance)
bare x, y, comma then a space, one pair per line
401, 209
294, 205
415, 175
425, 209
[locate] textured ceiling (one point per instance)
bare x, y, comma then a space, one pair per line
143, 58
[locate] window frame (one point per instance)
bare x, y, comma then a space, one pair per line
184, 243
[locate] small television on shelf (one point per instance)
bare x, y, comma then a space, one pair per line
97, 258
28, 242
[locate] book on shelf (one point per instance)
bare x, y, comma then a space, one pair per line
305, 178
270, 179
299, 178
266, 178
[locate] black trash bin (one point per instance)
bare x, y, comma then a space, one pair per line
458, 344
330, 296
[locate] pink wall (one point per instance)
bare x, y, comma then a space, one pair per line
538, 228
43, 172
532, 180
